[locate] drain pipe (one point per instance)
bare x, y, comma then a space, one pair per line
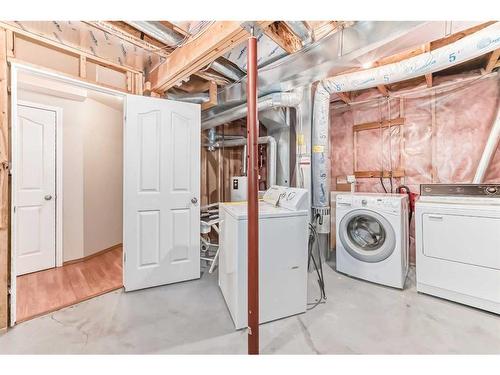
272, 151
489, 151
469, 47
271, 101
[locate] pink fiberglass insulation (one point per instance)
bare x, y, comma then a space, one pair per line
441, 141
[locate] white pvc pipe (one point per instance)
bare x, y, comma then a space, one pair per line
489, 151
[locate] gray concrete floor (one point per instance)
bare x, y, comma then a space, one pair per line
191, 317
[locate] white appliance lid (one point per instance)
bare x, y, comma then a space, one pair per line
238, 210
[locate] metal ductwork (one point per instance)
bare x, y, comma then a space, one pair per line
276, 100
364, 41
158, 31
162, 33
197, 98
302, 31
227, 69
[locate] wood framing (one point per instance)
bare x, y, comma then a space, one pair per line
188, 59
344, 96
134, 77
67, 49
492, 61
212, 95
280, 33
428, 77
383, 90
398, 173
83, 67
377, 125
132, 35
4, 180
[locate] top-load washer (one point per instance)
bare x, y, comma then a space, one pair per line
458, 243
372, 237
283, 250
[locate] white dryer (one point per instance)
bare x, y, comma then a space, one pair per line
458, 243
372, 237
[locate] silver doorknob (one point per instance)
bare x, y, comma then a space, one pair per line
48, 197
194, 200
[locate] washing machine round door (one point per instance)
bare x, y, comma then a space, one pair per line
367, 235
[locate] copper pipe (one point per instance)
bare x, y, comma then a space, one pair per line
253, 203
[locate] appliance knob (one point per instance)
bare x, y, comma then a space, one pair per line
364, 202
491, 190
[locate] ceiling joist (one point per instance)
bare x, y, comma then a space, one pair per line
284, 37
492, 61
213, 42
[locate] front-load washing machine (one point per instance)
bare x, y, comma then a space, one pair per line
372, 237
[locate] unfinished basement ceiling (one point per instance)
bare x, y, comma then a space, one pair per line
267, 51
92, 40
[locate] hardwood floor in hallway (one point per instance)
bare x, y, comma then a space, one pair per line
39, 293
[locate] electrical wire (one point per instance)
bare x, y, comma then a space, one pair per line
314, 240
382, 183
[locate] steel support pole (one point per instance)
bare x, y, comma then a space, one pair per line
253, 203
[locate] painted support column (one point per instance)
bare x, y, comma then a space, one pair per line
253, 203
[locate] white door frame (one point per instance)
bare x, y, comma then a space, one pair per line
19, 67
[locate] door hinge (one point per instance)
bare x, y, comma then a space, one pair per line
14, 209
124, 257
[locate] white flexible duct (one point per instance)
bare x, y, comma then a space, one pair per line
275, 100
271, 161
489, 151
469, 47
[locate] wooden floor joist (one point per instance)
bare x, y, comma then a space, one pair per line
492, 61
196, 54
280, 33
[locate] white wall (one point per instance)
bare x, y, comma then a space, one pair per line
92, 174
103, 177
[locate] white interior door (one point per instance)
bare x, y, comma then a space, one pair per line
161, 192
35, 187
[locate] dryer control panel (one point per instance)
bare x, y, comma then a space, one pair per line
390, 202
291, 198
461, 190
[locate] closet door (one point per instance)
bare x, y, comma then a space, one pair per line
161, 192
